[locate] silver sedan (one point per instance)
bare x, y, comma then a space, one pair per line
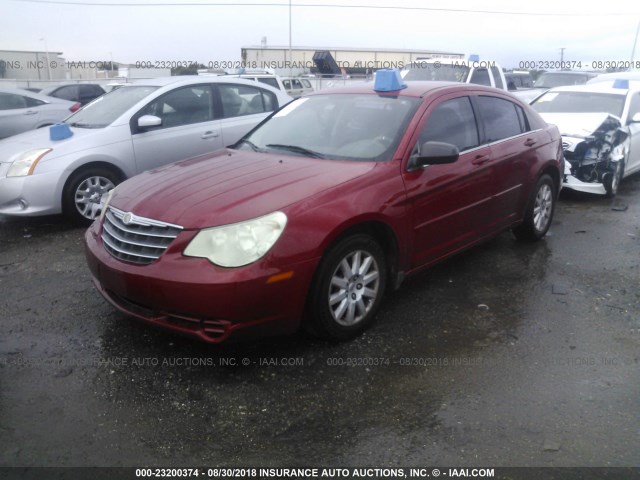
122, 133
21, 110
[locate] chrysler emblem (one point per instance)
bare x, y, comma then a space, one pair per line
127, 218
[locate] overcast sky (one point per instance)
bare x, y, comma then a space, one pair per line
204, 30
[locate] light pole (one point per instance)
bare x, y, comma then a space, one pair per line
46, 50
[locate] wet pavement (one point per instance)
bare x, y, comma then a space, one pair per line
507, 355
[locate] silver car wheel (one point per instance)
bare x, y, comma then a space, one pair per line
354, 287
89, 194
542, 207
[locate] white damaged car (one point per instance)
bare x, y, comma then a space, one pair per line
600, 127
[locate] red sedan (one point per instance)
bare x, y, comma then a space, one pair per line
334, 199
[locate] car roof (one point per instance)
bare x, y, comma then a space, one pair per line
196, 79
37, 96
610, 77
594, 88
413, 89
570, 72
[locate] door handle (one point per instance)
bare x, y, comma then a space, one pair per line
530, 142
30, 112
206, 135
480, 159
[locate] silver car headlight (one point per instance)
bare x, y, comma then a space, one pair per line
26, 163
238, 244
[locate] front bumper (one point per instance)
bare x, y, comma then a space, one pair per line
30, 195
572, 183
195, 298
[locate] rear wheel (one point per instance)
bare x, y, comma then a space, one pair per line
539, 213
348, 290
83, 194
612, 181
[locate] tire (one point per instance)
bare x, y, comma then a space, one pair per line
612, 181
343, 301
83, 192
539, 212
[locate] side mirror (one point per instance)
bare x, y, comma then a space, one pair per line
147, 121
435, 153
635, 118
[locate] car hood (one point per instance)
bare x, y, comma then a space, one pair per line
577, 125
230, 186
82, 138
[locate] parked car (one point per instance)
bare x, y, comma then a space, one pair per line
548, 80
21, 110
518, 80
320, 209
456, 70
77, 92
600, 128
131, 129
563, 78
611, 78
264, 76
297, 86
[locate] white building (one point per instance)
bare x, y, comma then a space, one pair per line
353, 60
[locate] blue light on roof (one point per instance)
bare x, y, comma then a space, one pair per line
474, 57
621, 83
388, 80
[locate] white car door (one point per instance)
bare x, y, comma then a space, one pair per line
189, 127
16, 114
633, 156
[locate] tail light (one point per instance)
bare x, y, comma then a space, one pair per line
75, 107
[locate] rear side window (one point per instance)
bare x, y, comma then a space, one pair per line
452, 122
239, 100
67, 93
9, 101
481, 77
500, 117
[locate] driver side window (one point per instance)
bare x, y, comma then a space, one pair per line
452, 122
183, 106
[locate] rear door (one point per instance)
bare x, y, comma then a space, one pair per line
18, 113
514, 149
190, 127
450, 203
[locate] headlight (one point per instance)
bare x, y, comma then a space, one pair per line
240, 243
26, 162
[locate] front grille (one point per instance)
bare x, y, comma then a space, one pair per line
136, 239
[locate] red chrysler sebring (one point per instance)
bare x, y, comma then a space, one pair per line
321, 208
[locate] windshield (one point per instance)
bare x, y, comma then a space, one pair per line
579, 102
106, 109
342, 127
551, 80
437, 71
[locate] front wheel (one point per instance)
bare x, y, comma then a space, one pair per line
83, 195
539, 213
612, 180
348, 290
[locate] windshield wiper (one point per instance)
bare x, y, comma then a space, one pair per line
84, 125
253, 146
296, 149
